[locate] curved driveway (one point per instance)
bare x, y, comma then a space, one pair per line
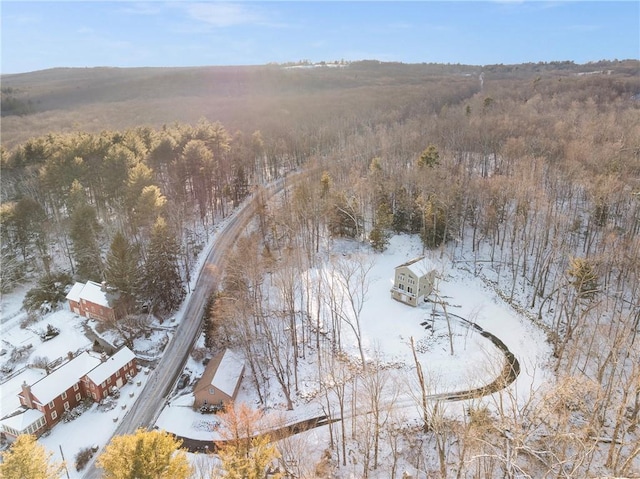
508, 374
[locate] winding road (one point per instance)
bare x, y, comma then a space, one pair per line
154, 395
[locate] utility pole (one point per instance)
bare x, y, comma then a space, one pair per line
64, 463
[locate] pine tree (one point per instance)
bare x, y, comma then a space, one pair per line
28, 459
434, 228
122, 271
145, 455
162, 285
429, 157
380, 233
84, 235
583, 277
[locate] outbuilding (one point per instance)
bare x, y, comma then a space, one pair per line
220, 382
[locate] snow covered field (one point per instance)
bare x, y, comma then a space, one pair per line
387, 328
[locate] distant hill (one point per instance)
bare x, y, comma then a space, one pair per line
64, 99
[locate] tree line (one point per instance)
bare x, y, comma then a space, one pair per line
124, 207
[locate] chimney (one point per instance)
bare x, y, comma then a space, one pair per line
103, 286
26, 395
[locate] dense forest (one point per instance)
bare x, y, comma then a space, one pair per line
528, 174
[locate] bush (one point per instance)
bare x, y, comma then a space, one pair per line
83, 457
40, 362
49, 292
32, 317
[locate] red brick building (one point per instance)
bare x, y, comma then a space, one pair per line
85, 376
112, 373
92, 300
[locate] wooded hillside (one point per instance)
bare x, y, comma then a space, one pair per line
530, 171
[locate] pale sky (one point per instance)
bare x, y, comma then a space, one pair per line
40, 35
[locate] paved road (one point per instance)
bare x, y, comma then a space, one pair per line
153, 396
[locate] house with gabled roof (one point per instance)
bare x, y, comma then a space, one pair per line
93, 300
221, 380
113, 372
84, 376
413, 281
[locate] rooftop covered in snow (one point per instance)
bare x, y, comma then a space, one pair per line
419, 266
107, 368
91, 292
51, 386
229, 373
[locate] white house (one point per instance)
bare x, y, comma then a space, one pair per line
413, 281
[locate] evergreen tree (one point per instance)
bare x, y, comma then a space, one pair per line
84, 235
583, 277
429, 157
380, 233
28, 459
145, 455
162, 285
434, 229
122, 271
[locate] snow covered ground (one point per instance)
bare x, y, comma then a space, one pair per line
387, 327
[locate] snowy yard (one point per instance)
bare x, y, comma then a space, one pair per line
387, 328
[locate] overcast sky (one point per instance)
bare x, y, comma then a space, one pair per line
39, 35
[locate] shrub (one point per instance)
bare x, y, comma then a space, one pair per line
83, 457
49, 292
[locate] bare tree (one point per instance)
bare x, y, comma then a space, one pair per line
351, 276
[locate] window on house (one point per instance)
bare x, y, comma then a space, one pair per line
410, 289
76, 387
51, 405
66, 406
104, 394
103, 384
108, 380
64, 395
78, 397
54, 415
118, 373
93, 395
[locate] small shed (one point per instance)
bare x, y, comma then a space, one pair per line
413, 281
221, 380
